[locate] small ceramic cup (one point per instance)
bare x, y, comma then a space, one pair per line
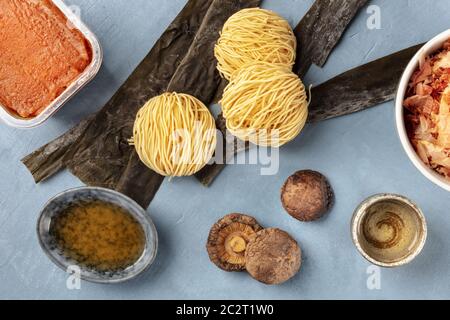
56, 206
414, 248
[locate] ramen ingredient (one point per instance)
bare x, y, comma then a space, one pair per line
307, 195
228, 239
254, 35
390, 231
427, 113
273, 256
41, 55
258, 97
98, 235
320, 31
174, 134
365, 86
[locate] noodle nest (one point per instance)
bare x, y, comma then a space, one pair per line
174, 134
254, 35
265, 104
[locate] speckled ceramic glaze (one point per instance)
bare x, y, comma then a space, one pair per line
60, 202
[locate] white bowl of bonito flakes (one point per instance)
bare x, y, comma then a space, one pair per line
423, 110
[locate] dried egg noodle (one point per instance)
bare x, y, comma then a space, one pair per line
174, 134
254, 35
265, 104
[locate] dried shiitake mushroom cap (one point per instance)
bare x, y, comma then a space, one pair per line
228, 239
273, 256
307, 195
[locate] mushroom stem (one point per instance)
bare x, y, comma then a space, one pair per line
238, 244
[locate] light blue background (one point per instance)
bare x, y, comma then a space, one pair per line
361, 154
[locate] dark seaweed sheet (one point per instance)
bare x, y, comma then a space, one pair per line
358, 89
321, 29
48, 160
231, 144
317, 34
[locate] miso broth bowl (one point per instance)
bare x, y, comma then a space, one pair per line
58, 204
429, 48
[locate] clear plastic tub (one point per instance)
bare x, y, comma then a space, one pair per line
14, 120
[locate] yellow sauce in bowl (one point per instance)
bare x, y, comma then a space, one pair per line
98, 235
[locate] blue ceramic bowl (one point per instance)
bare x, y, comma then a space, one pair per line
59, 203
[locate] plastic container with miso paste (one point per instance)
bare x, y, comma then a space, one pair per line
12, 118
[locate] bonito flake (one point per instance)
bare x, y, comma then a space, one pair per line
427, 114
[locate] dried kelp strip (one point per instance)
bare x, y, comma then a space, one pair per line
101, 153
139, 182
321, 29
361, 88
207, 174
231, 146
317, 34
196, 75
48, 160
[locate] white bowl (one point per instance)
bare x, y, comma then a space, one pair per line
429, 48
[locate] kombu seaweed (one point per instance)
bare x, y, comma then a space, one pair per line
361, 88
321, 29
48, 160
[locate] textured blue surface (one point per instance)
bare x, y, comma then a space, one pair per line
361, 154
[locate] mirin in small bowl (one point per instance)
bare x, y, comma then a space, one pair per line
389, 230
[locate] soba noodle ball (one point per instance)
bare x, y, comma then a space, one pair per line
265, 104
254, 35
174, 134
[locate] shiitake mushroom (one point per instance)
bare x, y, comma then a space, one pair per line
273, 256
307, 195
228, 239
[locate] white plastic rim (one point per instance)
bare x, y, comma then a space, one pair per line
429, 48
